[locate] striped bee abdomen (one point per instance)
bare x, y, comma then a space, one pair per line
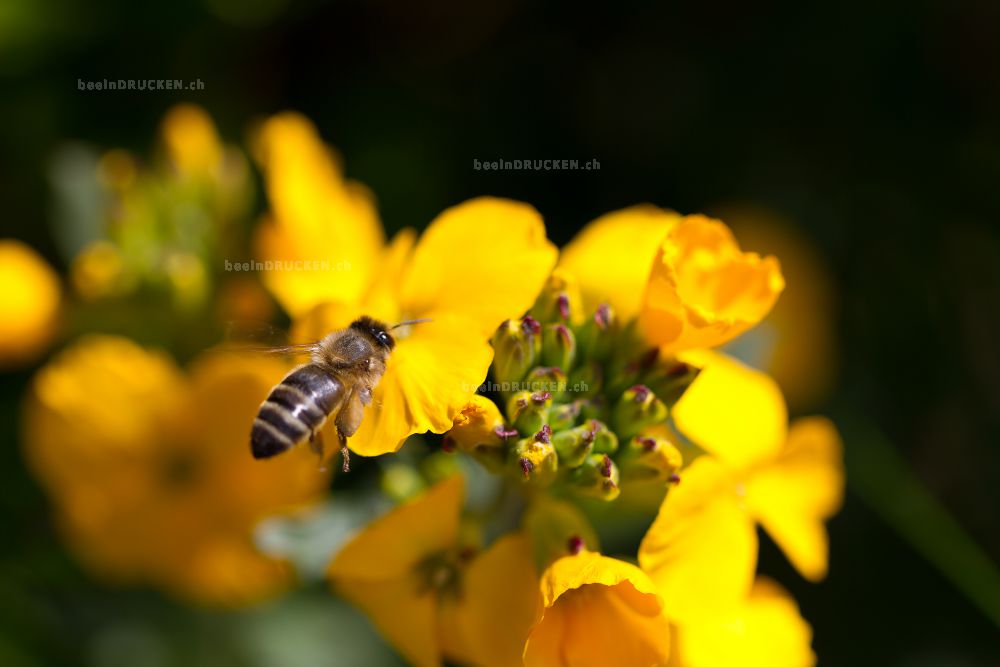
295, 408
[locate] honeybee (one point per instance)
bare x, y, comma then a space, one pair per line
337, 383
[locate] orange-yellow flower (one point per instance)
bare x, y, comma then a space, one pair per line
598, 611
701, 550
477, 264
416, 581
29, 303
685, 278
149, 469
767, 631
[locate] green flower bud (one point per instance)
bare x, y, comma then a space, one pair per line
534, 458
517, 345
558, 346
605, 440
564, 416
649, 459
598, 478
573, 445
549, 379
637, 408
595, 407
672, 379
596, 337
559, 300
529, 410
586, 380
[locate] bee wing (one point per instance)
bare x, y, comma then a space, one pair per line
262, 338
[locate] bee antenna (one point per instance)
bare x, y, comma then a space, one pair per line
403, 324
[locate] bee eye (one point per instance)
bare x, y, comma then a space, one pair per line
383, 337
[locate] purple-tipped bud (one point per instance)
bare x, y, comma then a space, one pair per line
602, 318
526, 466
648, 444
675, 479
544, 434
575, 545
606, 466
505, 433
541, 397
640, 393
531, 326
562, 303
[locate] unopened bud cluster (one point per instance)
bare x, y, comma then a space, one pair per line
586, 395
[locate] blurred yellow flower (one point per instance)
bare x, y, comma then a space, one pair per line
598, 611
701, 550
684, 277
192, 143
475, 265
428, 595
30, 295
150, 473
767, 631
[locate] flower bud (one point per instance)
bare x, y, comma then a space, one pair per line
535, 459
586, 380
649, 459
573, 445
529, 410
672, 380
549, 379
597, 477
564, 416
559, 301
595, 407
605, 440
596, 337
478, 430
558, 346
637, 408
517, 345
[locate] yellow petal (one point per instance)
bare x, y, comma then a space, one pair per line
702, 290
588, 567
612, 256
767, 632
485, 259
405, 616
323, 233
393, 544
502, 580
29, 303
793, 495
598, 611
756, 419
191, 141
701, 550
430, 377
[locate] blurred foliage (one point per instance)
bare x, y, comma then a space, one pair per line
871, 129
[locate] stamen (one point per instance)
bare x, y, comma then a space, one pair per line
530, 325
575, 544
544, 435
503, 432
606, 466
526, 466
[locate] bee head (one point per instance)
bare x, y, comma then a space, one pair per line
375, 330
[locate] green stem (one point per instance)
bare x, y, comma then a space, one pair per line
882, 478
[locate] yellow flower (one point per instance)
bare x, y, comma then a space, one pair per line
703, 291
410, 573
476, 265
29, 303
598, 611
767, 631
149, 468
701, 549
685, 278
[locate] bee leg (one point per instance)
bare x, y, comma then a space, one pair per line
345, 453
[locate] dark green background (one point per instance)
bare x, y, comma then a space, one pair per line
874, 126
